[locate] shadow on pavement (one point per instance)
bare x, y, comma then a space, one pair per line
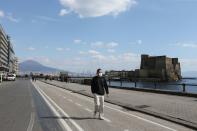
74, 118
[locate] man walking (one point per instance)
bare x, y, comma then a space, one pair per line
98, 88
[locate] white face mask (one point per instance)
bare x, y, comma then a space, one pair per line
100, 74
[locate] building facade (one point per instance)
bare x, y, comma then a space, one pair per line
16, 66
127, 75
7, 54
4, 51
11, 56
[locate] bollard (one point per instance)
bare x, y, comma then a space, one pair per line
135, 84
183, 87
1, 78
155, 85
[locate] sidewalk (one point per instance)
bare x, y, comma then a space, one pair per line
179, 109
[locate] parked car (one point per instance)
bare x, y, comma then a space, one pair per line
11, 77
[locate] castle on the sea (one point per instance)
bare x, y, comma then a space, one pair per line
153, 68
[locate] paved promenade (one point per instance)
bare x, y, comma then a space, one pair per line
175, 108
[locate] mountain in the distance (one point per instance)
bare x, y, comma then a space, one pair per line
33, 66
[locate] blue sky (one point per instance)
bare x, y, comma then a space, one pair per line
82, 35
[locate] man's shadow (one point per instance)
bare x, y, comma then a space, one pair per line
73, 118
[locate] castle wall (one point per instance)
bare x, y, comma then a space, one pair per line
160, 63
153, 68
159, 67
143, 73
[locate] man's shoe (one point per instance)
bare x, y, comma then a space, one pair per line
101, 117
94, 115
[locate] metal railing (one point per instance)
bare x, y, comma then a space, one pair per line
136, 84
156, 85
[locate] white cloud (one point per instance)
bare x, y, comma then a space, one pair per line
185, 44
31, 48
96, 8
60, 49
112, 45
93, 52
82, 53
99, 57
111, 51
77, 41
123, 61
12, 18
192, 45
1, 14
129, 57
138, 42
63, 49
64, 12
46, 18
9, 16
46, 60
100, 44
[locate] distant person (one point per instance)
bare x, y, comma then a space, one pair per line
32, 78
99, 87
35, 78
46, 78
50, 77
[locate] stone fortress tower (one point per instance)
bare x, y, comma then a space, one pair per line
159, 67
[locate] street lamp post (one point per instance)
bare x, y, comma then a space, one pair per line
1, 73
1, 77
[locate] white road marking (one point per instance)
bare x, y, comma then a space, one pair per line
32, 117
107, 120
149, 121
63, 123
128, 114
31, 122
78, 104
70, 100
88, 110
62, 111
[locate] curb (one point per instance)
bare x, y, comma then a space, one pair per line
130, 107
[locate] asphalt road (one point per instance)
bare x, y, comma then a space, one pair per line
17, 109
35, 106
